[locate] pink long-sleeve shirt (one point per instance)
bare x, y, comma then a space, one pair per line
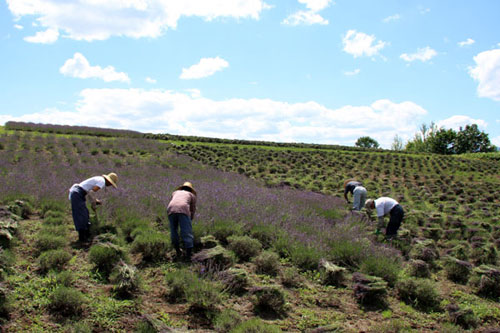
182, 202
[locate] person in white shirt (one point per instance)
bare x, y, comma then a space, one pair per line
77, 196
387, 206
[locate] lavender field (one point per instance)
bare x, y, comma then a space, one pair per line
290, 259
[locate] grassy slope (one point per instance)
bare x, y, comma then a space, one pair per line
312, 305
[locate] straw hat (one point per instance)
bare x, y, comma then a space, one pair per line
347, 181
368, 203
112, 178
189, 185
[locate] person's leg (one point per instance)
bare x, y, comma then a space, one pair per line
397, 214
362, 197
356, 195
174, 235
80, 214
186, 233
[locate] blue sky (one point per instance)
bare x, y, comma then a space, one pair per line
316, 71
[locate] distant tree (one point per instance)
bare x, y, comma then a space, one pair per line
420, 142
397, 143
472, 140
366, 142
442, 141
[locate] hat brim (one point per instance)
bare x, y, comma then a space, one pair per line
190, 187
110, 181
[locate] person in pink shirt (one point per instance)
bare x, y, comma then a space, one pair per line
181, 210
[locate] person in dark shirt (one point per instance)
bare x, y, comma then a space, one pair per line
358, 193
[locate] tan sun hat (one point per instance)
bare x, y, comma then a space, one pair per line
347, 181
112, 178
368, 203
189, 185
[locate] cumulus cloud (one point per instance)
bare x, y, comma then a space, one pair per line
99, 20
206, 67
150, 80
79, 67
310, 16
391, 18
352, 73
360, 44
457, 121
467, 42
48, 36
18, 27
423, 54
487, 74
188, 113
496, 141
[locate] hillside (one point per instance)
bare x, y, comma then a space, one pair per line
273, 211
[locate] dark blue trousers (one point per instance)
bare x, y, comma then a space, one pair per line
184, 222
397, 213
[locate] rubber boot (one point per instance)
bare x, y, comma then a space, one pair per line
178, 253
189, 253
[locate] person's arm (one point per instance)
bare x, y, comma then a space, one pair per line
380, 223
192, 206
346, 191
93, 200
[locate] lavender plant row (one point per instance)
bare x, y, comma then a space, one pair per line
45, 168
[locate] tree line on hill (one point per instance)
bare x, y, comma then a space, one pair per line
431, 139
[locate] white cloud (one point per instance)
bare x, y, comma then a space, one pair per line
304, 17
99, 20
48, 36
150, 80
359, 44
206, 67
79, 67
496, 141
487, 73
316, 5
391, 18
423, 54
18, 27
188, 113
457, 121
467, 42
352, 73
310, 16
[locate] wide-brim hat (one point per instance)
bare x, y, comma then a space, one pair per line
112, 178
189, 185
347, 181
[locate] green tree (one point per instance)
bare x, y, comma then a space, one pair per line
366, 142
472, 140
397, 143
442, 141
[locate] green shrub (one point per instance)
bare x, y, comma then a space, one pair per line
266, 234
331, 274
418, 268
53, 205
65, 278
420, 293
370, 290
129, 225
80, 327
234, 280
267, 263
269, 299
463, 317
6, 261
291, 278
304, 257
54, 214
152, 245
66, 302
178, 282
457, 270
204, 298
4, 302
244, 247
385, 267
105, 256
227, 320
53, 220
125, 279
256, 325
53, 260
222, 229
46, 242
55, 230
348, 253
